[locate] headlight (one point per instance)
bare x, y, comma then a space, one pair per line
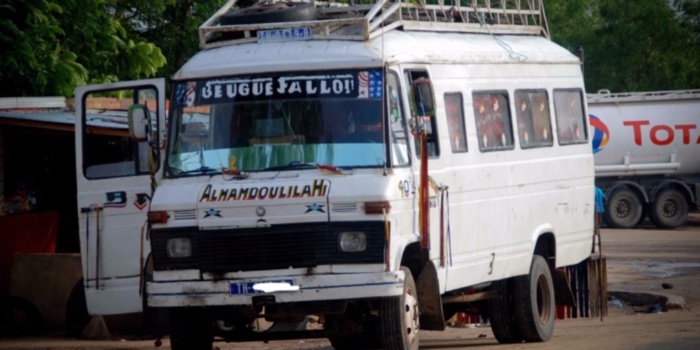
353, 242
179, 247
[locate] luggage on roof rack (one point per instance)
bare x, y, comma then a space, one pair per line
347, 20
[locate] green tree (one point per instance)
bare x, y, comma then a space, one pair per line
631, 45
54, 46
172, 25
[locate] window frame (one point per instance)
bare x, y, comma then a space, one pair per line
582, 116
519, 112
461, 131
506, 126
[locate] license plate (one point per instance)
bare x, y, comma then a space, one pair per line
281, 35
247, 287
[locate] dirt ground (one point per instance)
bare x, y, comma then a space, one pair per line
644, 261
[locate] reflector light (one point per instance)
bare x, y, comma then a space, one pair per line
158, 217
377, 207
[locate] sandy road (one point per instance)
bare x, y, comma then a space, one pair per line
639, 260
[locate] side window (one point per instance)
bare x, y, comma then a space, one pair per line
493, 120
108, 150
571, 122
534, 123
397, 124
455, 122
419, 85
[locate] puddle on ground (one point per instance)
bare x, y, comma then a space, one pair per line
657, 269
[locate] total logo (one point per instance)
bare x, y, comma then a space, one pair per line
600, 132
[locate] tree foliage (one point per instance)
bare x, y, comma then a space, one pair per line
52, 46
631, 45
172, 25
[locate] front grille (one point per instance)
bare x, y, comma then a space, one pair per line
276, 247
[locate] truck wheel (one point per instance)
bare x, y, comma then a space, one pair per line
19, 317
77, 316
623, 209
190, 329
345, 334
669, 209
268, 13
400, 317
534, 302
502, 314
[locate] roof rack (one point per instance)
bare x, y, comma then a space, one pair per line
346, 20
604, 96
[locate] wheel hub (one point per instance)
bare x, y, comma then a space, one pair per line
670, 208
412, 316
622, 209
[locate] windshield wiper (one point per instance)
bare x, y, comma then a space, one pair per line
327, 169
203, 170
293, 165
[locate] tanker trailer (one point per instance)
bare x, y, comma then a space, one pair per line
647, 155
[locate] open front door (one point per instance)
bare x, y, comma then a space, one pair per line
116, 175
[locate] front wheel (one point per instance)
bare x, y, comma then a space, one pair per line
190, 329
534, 302
400, 317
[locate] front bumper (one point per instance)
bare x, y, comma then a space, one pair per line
310, 288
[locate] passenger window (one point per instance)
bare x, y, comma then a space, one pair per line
455, 122
534, 123
397, 124
493, 120
420, 86
571, 122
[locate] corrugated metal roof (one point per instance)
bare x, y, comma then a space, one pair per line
36, 118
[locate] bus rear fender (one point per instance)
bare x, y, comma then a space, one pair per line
545, 246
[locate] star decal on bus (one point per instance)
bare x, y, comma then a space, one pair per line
212, 212
314, 207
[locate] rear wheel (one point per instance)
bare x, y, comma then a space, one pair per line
400, 318
502, 314
190, 329
534, 302
623, 209
669, 209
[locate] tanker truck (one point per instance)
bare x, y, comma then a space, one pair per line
646, 149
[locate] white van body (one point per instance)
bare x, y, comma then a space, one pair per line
228, 238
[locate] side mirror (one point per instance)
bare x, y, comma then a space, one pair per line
423, 95
139, 122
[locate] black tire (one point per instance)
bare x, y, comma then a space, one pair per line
534, 302
669, 209
156, 320
346, 334
502, 314
268, 13
400, 318
623, 209
19, 317
190, 329
77, 316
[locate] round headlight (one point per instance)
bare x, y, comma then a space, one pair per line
353, 242
179, 247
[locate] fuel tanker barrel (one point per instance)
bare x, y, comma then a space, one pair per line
647, 154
